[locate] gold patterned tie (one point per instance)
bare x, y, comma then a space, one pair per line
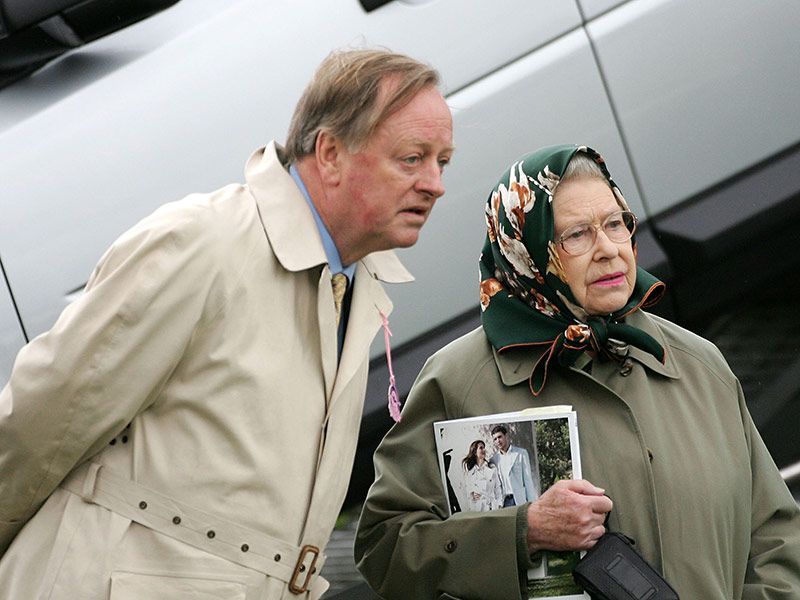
339, 284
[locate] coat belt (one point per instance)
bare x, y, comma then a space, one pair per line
298, 566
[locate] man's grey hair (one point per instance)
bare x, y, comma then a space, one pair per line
343, 97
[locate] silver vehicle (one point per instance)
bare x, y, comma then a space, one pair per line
109, 109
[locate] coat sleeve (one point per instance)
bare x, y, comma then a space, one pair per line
773, 566
75, 387
406, 545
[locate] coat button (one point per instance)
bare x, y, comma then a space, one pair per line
277, 558
176, 520
142, 504
451, 546
626, 367
211, 534
245, 547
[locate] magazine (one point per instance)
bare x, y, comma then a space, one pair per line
507, 459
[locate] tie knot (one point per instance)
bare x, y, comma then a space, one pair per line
339, 285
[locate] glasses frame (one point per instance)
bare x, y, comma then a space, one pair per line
595, 228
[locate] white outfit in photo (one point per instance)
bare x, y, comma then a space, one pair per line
484, 480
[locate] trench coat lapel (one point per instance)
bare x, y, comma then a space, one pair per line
326, 317
294, 237
369, 301
296, 242
285, 216
345, 404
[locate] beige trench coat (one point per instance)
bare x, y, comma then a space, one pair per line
673, 445
194, 394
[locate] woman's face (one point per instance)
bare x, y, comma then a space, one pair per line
480, 453
602, 279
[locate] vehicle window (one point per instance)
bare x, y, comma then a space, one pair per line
34, 32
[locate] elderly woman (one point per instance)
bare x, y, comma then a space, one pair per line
664, 430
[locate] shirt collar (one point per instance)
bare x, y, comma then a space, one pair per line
334, 259
289, 224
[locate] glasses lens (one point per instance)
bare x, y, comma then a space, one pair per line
578, 239
620, 226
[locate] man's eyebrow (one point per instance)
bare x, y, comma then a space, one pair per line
425, 144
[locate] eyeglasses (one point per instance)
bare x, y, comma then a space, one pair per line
579, 239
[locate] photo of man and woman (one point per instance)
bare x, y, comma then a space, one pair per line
505, 460
497, 461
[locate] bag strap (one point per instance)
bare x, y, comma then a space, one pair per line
608, 529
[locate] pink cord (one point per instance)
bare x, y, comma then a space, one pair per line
394, 397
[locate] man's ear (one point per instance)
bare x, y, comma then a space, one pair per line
328, 152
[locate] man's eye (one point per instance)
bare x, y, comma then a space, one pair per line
615, 224
411, 160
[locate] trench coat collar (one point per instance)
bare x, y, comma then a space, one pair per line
289, 224
297, 245
516, 365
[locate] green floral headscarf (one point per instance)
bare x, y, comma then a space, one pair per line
525, 298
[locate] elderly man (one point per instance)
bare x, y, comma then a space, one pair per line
143, 438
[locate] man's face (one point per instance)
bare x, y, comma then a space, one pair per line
390, 185
500, 440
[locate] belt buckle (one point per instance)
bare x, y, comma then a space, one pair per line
300, 567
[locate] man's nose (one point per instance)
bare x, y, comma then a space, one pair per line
430, 180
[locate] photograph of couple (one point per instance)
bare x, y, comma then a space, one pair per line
499, 461
489, 464
505, 479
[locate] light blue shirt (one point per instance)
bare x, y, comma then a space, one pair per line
331, 252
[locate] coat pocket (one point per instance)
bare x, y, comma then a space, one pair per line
140, 586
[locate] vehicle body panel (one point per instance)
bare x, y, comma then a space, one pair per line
176, 103
703, 88
695, 105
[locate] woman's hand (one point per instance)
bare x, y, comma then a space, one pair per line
568, 516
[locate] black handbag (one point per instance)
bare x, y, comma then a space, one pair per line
613, 570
